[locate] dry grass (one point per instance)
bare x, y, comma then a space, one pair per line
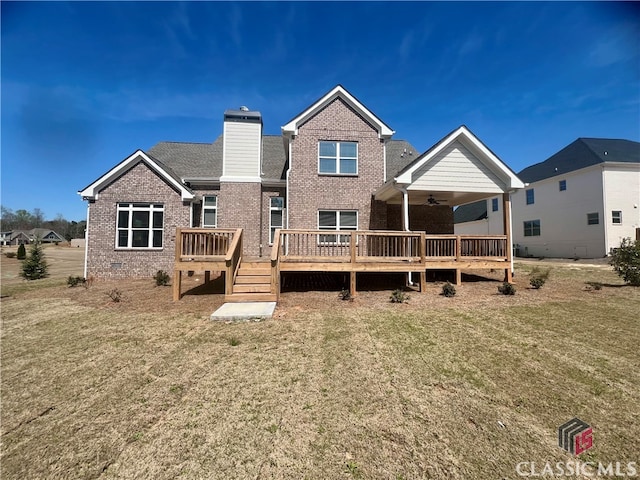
462, 387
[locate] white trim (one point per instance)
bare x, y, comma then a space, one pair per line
91, 192
241, 179
209, 207
338, 157
338, 91
130, 209
275, 209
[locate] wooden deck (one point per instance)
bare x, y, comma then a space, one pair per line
332, 251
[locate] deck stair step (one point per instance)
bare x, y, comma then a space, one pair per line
252, 284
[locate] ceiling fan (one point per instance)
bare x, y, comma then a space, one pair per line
431, 200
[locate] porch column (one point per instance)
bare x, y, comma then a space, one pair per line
506, 221
405, 209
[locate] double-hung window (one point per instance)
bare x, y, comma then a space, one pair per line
616, 217
593, 218
276, 216
338, 158
210, 211
140, 225
336, 220
532, 228
530, 197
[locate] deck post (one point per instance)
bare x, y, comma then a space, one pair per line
352, 283
177, 284
207, 276
458, 259
353, 252
423, 280
506, 221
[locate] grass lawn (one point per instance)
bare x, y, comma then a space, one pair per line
456, 388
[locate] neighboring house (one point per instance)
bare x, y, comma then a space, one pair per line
334, 168
24, 237
580, 202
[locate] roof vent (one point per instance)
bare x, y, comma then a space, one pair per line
244, 108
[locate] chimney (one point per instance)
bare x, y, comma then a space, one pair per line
242, 146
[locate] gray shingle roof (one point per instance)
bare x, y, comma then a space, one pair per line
582, 153
204, 160
400, 153
470, 212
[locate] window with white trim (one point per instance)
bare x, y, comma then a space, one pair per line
210, 211
593, 218
338, 158
140, 225
494, 204
337, 220
276, 216
532, 228
530, 196
616, 217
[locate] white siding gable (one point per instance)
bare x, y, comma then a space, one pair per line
455, 168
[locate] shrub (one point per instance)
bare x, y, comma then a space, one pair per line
398, 296
75, 281
448, 290
162, 278
22, 252
34, 266
10, 254
507, 289
538, 277
115, 295
626, 261
345, 295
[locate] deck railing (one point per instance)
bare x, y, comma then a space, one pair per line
384, 246
203, 244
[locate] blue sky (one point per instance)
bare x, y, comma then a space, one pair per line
86, 84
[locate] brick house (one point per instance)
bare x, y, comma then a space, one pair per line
334, 168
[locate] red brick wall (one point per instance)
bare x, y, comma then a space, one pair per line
140, 184
437, 219
310, 191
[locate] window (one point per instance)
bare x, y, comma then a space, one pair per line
530, 197
593, 218
562, 185
210, 211
338, 158
494, 204
276, 216
532, 228
337, 220
140, 225
616, 217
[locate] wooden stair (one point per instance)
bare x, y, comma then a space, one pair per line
252, 284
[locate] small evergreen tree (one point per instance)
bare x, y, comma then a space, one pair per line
22, 252
35, 266
626, 261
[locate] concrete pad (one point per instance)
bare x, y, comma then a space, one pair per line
244, 311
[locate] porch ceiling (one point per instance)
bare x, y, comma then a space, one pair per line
420, 197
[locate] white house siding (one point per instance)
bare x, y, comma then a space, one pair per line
622, 193
492, 225
456, 169
241, 152
564, 231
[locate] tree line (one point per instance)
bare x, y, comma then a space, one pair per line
25, 220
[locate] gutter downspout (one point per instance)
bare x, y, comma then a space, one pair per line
86, 242
405, 217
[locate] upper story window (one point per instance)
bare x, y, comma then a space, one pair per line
562, 184
276, 216
532, 228
338, 158
616, 217
530, 196
494, 204
593, 218
210, 211
140, 225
